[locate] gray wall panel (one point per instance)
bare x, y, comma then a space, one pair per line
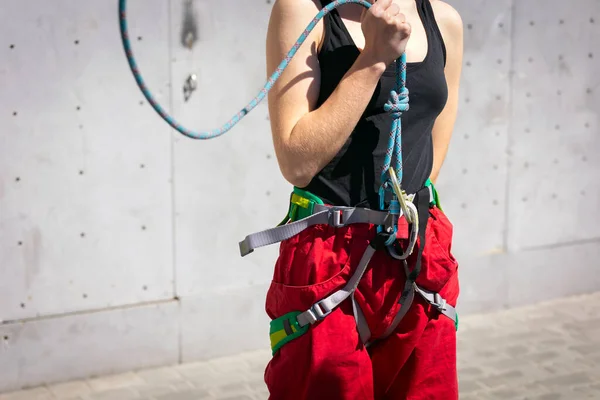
83, 345
230, 186
484, 283
85, 203
549, 273
224, 322
554, 170
473, 179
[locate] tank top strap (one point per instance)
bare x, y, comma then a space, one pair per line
336, 34
430, 24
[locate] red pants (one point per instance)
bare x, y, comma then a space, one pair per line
418, 361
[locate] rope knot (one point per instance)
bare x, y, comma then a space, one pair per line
397, 104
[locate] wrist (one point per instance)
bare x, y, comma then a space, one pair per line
367, 61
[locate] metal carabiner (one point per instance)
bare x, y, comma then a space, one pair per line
402, 197
414, 234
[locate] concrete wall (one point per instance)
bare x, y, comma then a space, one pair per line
118, 238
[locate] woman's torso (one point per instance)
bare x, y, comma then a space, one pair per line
352, 178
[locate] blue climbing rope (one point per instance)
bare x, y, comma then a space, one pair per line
397, 104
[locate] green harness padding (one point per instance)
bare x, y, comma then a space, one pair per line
302, 203
286, 328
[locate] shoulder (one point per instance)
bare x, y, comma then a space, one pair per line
289, 18
296, 9
450, 23
448, 19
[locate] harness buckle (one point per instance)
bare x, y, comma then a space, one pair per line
336, 217
318, 312
439, 302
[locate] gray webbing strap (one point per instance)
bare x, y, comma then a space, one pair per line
432, 298
323, 308
361, 322
343, 216
403, 307
280, 233
400, 314
438, 302
334, 216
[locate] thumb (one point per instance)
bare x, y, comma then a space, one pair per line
363, 13
365, 10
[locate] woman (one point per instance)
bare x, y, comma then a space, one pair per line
330, 135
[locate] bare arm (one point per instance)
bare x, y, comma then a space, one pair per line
451, 28
306, 138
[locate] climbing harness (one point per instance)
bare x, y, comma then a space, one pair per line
307, 210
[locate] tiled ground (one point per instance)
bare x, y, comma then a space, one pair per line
550, 351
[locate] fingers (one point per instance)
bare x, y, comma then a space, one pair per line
379, 8
388, 10
404, 27
392, 11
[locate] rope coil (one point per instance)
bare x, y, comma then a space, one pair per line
397, 104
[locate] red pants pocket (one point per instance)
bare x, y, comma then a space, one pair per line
438, 264
310, 266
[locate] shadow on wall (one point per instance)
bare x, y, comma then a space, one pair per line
189, 25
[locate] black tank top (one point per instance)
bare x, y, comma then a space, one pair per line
352, 177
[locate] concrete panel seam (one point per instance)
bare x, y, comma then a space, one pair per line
173, 192
562, 244
90, 311
509, 125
